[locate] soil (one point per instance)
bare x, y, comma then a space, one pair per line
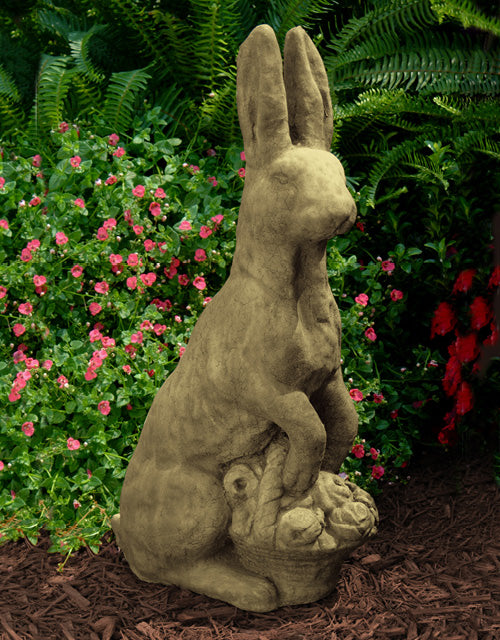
432, 571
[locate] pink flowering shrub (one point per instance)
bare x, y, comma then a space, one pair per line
101, 281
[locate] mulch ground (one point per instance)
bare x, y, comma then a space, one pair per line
433, 571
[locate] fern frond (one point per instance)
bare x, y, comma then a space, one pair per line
478, 141
219, 113
391, 161
121, 96
466, 13
384, 24
433, 65
282, 15
8, 87
54, 81
59, 21
179, 111
212, 50
79, 45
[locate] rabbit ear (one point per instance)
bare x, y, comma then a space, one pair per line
261, 97
307, 91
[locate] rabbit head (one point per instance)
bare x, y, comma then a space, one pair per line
294, 186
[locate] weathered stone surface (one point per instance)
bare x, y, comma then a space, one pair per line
231, 472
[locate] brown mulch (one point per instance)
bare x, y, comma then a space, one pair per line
433, 571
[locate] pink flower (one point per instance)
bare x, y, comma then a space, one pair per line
159, 329
185, 225
101, 287
370, 334
138, 229
61, 238
155, 209
18, 329
199, 283
26, 308
113, 139
115, 258
39, 281
33, 245
137, 337
90, 374
26, 255
111, 179
362, 299
377, 472
133, 259
28, 429
63, 127
36, 160
360, 226
102, 234
378, 398
149, 245
75, 161
31, 363
139, 191
104, 407
35, 201
4, 224
76, 504
394, 414
356, 395
127, 368
200, 255
132, 282
241, 172
159, 193
95, 308
217, 218
1, 465
181, 351
242, 155
2, 182
47, 365
211, 152
396, 294
148, 278
388, 266
79, 202
120, 151
213, 181
76, 271
194, 168
72, 444
373, 453
3, 291
183, 279
205, 231
110, 223
358, 450
62, 381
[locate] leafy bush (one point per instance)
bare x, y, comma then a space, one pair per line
108, 255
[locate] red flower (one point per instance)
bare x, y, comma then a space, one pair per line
377, 472
466, 348
480, 313
494, 280
464, 281
452, 377
358, 450
444, 320
464, 399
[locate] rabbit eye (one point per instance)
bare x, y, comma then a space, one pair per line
281, 178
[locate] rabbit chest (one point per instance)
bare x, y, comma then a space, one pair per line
316, 339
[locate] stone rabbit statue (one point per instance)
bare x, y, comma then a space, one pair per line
264, 356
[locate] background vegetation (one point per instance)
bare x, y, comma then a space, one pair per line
415, 86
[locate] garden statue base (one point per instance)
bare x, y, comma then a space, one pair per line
232, 488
